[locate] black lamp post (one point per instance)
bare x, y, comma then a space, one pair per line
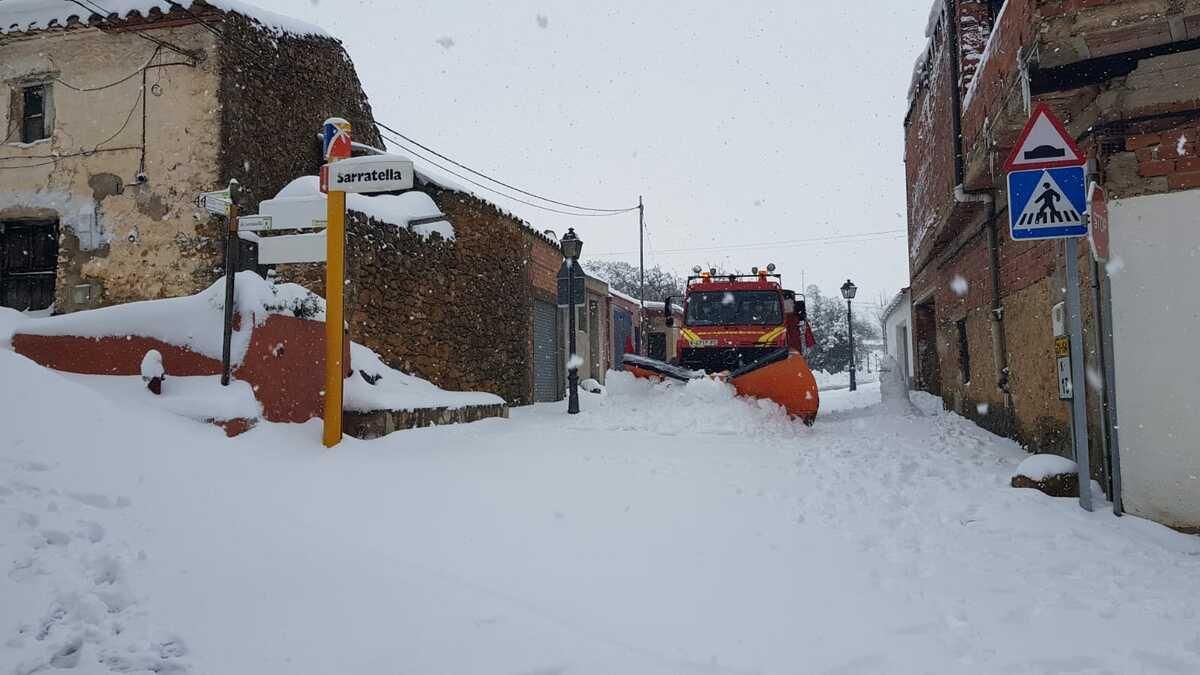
848, 291
572, 246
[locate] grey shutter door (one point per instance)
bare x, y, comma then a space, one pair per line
545, 352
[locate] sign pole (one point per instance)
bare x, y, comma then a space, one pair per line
337, 146
231, 251
1079, 383
1110, 389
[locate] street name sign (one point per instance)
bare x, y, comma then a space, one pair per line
217, 202
258, 223
374, 173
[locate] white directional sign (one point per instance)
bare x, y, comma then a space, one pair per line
217, 202
373, 173
254, 223
1044, 144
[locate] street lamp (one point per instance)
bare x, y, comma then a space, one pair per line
572, 246
848, 291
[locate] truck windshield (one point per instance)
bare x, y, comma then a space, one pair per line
723, 308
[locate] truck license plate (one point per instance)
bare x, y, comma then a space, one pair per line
707, 342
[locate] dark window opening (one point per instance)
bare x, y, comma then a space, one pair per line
730, 308
33, 114
964, 351
994, 7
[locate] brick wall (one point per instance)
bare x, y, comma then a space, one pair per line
929, 151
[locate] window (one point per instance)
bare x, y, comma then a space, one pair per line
728, 308
33, 113
964, 351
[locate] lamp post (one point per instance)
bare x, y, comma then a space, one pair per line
848, 291
572, 245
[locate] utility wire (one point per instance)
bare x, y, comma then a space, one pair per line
500, 182
103, 13
456, 174
257, 53
128, 77
831, 239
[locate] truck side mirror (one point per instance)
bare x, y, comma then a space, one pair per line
670, 321
801, 310
667, 306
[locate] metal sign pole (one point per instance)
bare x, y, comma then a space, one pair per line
1078, 381
1110, 388
231, 250
337, 135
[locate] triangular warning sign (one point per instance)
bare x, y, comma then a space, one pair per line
1048, 206
1044, 144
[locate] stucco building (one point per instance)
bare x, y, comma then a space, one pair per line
1125, 78
113, 124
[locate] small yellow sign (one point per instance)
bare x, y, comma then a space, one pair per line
1062, 346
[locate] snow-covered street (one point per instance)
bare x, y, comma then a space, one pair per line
663, 530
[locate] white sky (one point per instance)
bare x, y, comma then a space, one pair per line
777, 122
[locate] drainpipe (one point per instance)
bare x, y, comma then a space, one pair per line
964, 196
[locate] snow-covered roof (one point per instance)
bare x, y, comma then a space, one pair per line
21, 16
414, 210
452, 186
895, 303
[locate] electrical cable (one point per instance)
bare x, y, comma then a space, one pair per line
495, 191
128, 77
865, 237
498, 181
250, 50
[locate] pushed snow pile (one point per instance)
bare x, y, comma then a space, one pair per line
893, 388
9, 320
591, 386
27, 15
304, 193
152, 365
376, 386
700, 406
200, 398
1041, 467
192, 321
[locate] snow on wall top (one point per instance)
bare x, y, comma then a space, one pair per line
19, 16
192, 321
399, 210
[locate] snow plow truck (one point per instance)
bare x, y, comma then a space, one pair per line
745, 329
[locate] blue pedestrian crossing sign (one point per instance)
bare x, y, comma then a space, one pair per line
1047, 203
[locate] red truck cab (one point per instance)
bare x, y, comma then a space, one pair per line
730, 321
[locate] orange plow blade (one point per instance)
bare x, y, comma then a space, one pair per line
783, 377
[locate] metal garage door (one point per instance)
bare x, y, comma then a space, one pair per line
545, 352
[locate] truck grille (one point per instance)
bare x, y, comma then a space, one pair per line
716, 359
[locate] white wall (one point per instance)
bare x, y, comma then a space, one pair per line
900, 316
1155, 273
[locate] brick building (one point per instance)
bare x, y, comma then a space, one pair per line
1124, 75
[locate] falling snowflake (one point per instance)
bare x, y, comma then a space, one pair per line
543, 21
1181, 146
982, 408
445, 41
727, 299
1114, 266
959, 285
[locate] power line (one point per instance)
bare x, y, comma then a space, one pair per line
495, 191
223, 36
832, 239
497, 180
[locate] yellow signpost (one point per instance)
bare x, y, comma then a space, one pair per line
337, 147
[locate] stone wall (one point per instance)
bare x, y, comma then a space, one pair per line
275, 92
457, 313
